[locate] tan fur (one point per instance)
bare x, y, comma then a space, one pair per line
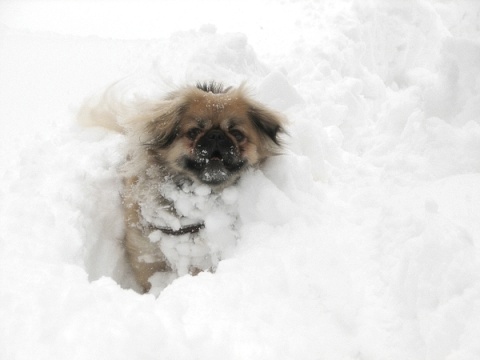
145, 257
158, 140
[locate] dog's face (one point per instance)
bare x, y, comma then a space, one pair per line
211, 135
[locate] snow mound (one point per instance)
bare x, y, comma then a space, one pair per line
360, 241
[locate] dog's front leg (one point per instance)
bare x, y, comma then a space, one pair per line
144, 257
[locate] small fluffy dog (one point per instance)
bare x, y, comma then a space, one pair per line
204, 135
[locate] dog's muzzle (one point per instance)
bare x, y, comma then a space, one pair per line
216, 146
216, 158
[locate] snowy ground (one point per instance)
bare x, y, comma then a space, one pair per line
361, 242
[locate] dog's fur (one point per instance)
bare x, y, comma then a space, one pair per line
199, 134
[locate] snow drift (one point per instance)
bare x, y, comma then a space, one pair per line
362, 241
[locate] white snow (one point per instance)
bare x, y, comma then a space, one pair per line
197, 204
362, 241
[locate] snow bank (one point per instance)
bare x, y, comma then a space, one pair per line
360, 242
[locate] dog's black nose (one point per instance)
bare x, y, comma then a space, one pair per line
215, 144
215, 135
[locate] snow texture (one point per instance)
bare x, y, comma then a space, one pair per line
361, 241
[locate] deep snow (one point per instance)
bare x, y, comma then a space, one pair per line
362, 241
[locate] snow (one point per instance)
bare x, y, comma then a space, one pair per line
361, 241
197, 204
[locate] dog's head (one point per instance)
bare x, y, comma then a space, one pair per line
209, 134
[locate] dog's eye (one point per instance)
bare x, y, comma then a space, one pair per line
238, 135
193, 133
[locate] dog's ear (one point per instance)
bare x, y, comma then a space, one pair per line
266, 122
163, 125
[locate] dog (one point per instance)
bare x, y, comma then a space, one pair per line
197, 141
